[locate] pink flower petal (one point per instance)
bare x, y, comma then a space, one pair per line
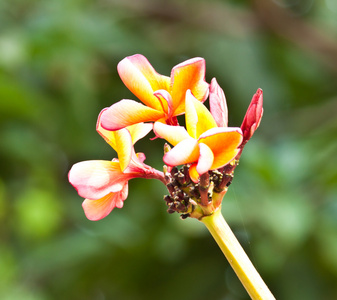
206, 159
95, 179
173, 134
166, 101
187, 151
98, 209
136, 165
217, 103
142, 80
140, 157
128, 112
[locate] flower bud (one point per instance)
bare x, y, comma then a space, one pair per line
167, 148
218, 104
253, 116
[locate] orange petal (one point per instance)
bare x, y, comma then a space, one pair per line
128, 112
188, 75
187, 151
98, 209
224, 143
173, 134
142, 80
206, 159
198, 118
194, 175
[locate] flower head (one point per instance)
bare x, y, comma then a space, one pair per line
163, 97
206, 147
202, 144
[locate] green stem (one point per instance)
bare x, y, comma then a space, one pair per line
237, 257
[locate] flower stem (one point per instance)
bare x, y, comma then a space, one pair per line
237, 257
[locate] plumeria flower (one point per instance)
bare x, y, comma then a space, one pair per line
204, 144
207, 149
104, 184
163, 97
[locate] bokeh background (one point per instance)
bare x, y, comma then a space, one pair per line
58, 63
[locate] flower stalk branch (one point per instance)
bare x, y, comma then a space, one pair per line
236, 256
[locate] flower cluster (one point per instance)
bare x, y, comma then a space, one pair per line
206, 149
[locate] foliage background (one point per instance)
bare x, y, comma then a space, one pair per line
58, 70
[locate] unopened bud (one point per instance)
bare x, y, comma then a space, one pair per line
253, 116
218, 105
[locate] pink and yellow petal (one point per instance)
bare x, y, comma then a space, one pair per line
172, 134
198, 117
138, 131
188, 75
166, 101
136, 165
98, 209
142, 80
140, 157
128, 112
108, 135
122, 140
224, 143
95, 179
206, 159
187, 151
124, 147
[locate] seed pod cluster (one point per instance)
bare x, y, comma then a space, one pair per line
185, 195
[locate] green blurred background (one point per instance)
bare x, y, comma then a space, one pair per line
58, 63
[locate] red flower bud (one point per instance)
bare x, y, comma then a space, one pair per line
253, 116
